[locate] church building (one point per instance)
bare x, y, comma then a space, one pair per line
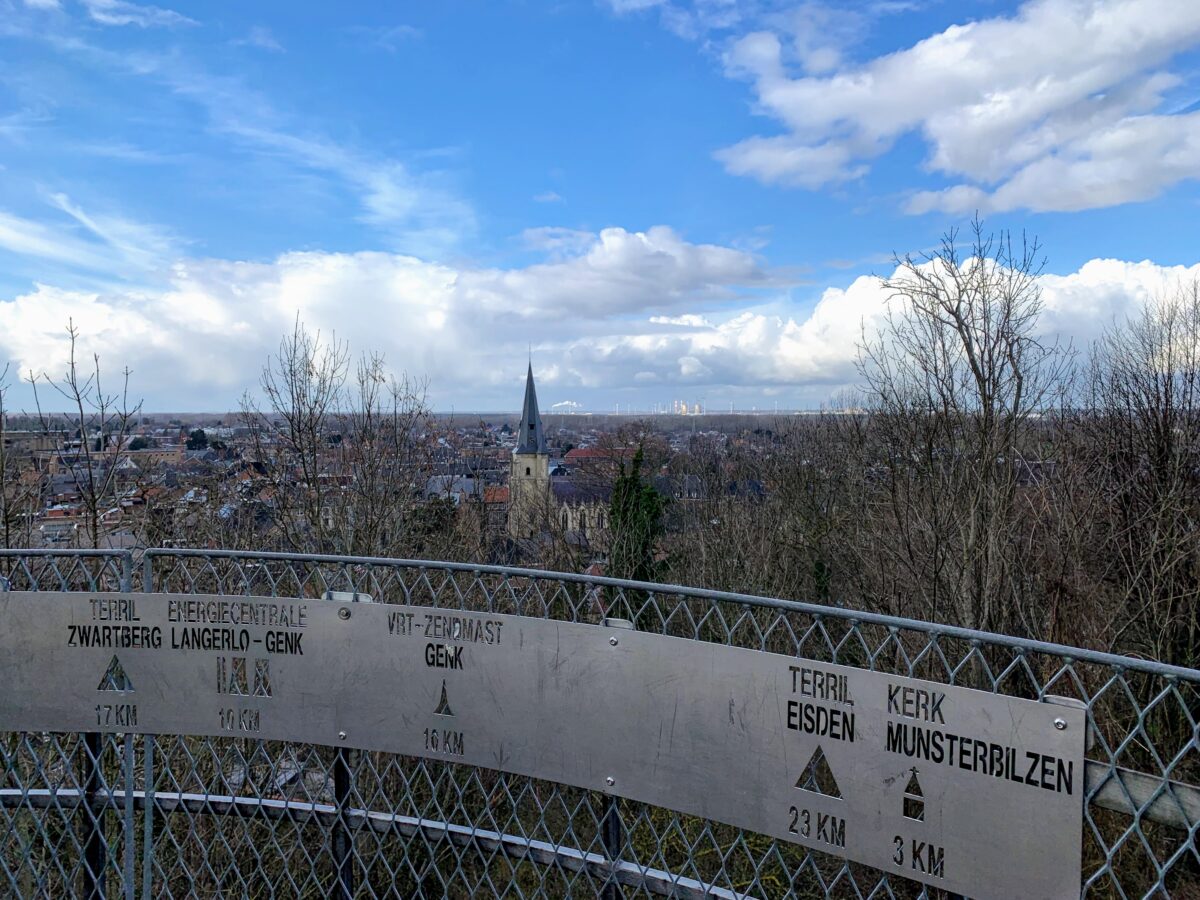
539, 500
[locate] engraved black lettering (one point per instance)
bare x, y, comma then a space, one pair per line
116, 715
114, 636
808, 718
970, 754
1034, 759
935, 708
284, 642
928, 859
209, 638
400, 623
444, 740
918, 855
247, 720
996, 762
831, 829
895, 733
1066, 777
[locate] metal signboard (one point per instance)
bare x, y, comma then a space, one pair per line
973, 792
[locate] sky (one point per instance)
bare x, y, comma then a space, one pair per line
653, 199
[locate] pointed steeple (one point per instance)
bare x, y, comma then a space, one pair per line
530, 438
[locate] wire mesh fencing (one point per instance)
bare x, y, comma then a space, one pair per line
177, 815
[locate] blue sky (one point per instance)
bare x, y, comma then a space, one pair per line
665, 199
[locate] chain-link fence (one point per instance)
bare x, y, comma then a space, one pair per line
173, 815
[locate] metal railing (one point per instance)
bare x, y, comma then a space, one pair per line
173, 815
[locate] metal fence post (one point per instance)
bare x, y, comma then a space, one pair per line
148, 741
148, 817
612, 837
147, 573
126, 571
95, 853
341, 838
128, 858
95, 805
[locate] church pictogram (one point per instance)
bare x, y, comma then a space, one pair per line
914, 798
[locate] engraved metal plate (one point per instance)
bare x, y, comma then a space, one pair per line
973, 792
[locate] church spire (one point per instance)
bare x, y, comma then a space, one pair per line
530, 438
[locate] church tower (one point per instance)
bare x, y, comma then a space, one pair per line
529, 479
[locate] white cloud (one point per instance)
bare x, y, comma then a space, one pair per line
26, 237
547, 197
98, 242
136, 244
43, 4
619, 272
1134, 159
813, 356
687, 320
644, 312
788, 161
208, 330
1059, 106
123, 12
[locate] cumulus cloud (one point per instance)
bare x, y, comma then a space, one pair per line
641, 312
1056, 107
619, 272
211, 326
689, 320
814, 355
1134, 159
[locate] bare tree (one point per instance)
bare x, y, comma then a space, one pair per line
302, 385
952, 382
346, 454
1145, 393
102, 423
19, 485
